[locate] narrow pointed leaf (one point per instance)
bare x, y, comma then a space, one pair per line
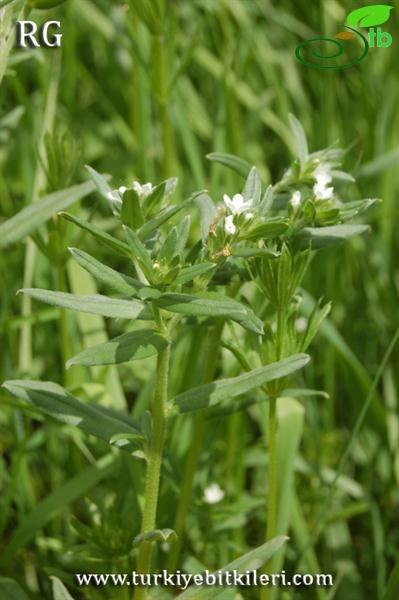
189, 273
253, 187
117, 281
139, 251
319, 237
53, 400
33, 216
101, 236
100, 181
207, 210
252, 560
240, 166
300, 141
223, 390
134, 345
211, 304
95, 304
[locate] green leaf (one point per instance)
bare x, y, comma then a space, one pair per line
253, 187
117, 281
36, 214
157, 535
140, 252
240, 166
95, 304
56, 503
207, 211
266, 202
319, 237
53, 400
317, 316
252, 560
165, 214
159, 192
211, 304
134, 345
168, 249
223, 390
11, 590
100, 181
265, 230
248, 252
131, 213
101, 236
59, 590
189, 273
369, 16
300, 141
392, 590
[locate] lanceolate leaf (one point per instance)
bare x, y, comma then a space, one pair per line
211, 304
117, 281
55, 401
300, 141
128, 346
240, 166
222, 390
326, 236
253, 187
102, 236
189, 273
31, 217
207, 211
252, 560
95, 304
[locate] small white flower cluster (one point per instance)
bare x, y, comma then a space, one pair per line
213, 494
237, 205
323, 177
142, 191
295, 200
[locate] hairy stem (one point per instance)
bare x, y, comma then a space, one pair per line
154, 457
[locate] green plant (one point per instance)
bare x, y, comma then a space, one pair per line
264, 237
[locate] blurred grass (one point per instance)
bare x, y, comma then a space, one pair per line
229, 78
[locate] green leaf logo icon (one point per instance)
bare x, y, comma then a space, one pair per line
369, 16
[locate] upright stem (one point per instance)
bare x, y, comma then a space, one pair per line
199, 426
272, 472
154, 464
272, 441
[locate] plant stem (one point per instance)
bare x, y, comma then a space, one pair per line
199, 427
272, 473
154, 464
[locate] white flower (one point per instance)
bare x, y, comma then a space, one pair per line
237, 205
115, 195
323, 193
301, 324
213, 494
142, 190
229, 226
323, 174
249, 216
323, 177
295, 200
